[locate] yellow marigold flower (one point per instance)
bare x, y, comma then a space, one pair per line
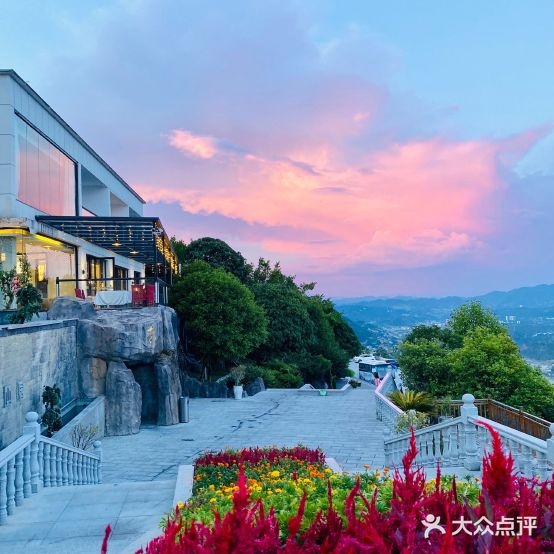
328, 470
269, 492
212, 499
278, 490
211, 487
180, 504
274, 474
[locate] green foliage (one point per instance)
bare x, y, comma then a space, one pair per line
52, 417
410, 400
29, 301
223, 322
281, 375
474, 353
409, 419
216, 253
290, 328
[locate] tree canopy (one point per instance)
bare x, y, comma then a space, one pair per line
233, 311
223, 321
474, 353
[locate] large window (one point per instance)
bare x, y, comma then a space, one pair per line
46, 175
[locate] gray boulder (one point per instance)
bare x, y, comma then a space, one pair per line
93, 376
128, 335
169, 389
123, 401
67, 307
255, 386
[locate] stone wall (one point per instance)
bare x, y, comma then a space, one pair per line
31, 356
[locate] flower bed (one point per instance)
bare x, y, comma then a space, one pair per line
282, 503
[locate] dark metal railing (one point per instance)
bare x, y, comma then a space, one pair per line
501, 413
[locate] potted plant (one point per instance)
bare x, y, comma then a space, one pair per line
237, 375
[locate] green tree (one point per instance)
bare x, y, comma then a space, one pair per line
223, 322
489, 364
473, 353
218, 254
290, 328
468, 317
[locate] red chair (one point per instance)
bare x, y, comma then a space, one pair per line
80, 293
150, 295
137, 295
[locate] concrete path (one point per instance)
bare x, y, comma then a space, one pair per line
343, 425
140, 470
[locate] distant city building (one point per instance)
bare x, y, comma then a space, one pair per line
65, 208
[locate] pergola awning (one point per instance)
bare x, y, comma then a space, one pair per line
139, 238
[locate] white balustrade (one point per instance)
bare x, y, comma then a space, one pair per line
464, 441
385, 410
33, 461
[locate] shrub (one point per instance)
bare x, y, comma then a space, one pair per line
410, 400
29, 301
282, 375
409, 419
52, 417
83, 436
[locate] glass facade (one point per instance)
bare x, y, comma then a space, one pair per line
46, 175
49, 259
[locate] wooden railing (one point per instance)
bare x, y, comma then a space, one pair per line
501, 413
34, 461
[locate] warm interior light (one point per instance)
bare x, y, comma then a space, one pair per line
116, 243
134, 252
14, 231
48, 240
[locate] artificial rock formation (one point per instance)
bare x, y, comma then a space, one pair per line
135, 345
123, 401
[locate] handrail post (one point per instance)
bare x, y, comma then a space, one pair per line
32, 427
550, 446
98, 451
469, 409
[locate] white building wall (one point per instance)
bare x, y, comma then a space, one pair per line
8, 179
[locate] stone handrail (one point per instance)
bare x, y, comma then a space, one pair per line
442, 442
34, 461
463, 441
385, 410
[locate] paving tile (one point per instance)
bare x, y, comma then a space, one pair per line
79, 528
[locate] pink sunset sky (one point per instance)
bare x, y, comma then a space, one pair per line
361, 154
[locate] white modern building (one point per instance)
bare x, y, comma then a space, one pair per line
77, 221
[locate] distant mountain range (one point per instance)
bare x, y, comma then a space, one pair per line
528, 313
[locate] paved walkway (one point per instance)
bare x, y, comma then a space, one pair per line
343, 425
139, 471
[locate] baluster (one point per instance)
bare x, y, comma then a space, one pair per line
526, 461
10, 486
59, 476
40, 457
542, 465
80, 469
437, 450
53, 454
3, 495
46, 464
27, 490
65, 477
70, 472
86, 466
18, 479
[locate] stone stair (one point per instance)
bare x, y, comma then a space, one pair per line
72, 519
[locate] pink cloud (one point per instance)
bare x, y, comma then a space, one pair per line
196, 146
408, 205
